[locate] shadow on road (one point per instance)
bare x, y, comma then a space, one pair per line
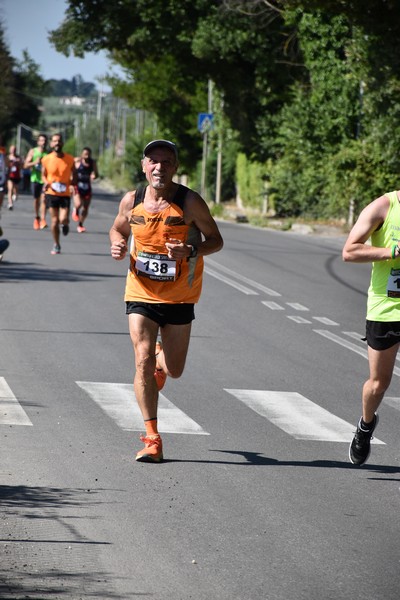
40, 565
32, 272
257, 459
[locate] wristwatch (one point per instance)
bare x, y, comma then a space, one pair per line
193, 252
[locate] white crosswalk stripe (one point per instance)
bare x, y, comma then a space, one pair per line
118, 401
11, 412
297, 416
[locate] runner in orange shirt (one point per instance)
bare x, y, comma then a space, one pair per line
58, 173
172, 229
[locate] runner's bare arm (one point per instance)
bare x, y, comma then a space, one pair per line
95, 173
44, 178
74, 175
197, 212
28, 160
120, 229
370, 219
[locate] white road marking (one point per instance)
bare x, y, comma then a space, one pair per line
297, 306
118, 401
354, 335
298, 319
11, 412
392, 401
342, 342
359, 338
251, 282
272, 305
234, 284
297, 416
326, 321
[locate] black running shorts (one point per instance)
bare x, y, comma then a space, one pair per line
36, 189
57, 201
163, 314
381, 335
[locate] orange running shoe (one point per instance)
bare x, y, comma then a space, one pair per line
81, 229
75, 216
43, 224
159, 374
36, 223
152, 451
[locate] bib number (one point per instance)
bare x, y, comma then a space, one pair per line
393, 285
155, 266
58, 187
83, 186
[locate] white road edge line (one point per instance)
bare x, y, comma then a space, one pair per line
237, 286
251, 282
342, 342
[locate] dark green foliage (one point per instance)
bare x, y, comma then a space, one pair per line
20, 91
311, 86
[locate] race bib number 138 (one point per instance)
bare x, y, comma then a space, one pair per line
155, 266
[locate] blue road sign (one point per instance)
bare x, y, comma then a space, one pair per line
205, 122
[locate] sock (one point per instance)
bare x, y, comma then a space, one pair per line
366, 426
151, 426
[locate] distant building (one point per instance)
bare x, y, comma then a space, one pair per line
72, 101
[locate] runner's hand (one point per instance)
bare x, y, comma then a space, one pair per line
177, 249
119, 249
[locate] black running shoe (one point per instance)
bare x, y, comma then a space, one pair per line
360, 447
65, 229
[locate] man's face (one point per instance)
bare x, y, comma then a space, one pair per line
56, 143
159, 166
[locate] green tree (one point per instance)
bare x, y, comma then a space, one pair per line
21, 90
170, 50
312, 85
7, 95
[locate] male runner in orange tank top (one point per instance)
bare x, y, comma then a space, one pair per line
172, 229
58, 173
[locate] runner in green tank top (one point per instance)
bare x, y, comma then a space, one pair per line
33, 162
379, 222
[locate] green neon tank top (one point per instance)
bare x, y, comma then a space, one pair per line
36, 171
383, 303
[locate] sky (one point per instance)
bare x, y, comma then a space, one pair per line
27, 23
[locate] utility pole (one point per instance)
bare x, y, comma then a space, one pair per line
205, 142
219, 154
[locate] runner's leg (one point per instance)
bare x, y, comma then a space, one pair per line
381, 364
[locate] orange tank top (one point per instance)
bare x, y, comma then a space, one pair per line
59, 172
152, 276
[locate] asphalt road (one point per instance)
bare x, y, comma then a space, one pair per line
256, 499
